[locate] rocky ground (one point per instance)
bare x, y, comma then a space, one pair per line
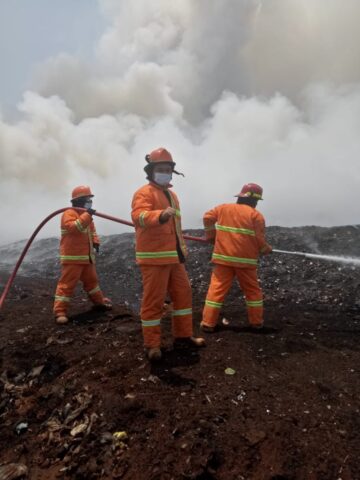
82, 402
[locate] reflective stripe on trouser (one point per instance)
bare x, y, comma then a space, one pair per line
70, 276
158, 280
221, 280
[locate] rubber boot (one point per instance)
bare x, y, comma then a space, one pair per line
206, 328
197, 341
107, 305
154, 354
61, 320
259, 326
189, 342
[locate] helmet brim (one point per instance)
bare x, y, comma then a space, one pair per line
82, 196
241, 195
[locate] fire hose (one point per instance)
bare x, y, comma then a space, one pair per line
353, 261
49, 217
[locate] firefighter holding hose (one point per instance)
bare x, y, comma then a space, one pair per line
160, 253
78, 242
238, 233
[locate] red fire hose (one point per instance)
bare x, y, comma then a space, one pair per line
57, 212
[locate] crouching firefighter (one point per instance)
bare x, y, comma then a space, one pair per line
77, 245
238, 232
160, 253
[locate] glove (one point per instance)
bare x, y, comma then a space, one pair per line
91, 211
167, 214
96, 247
266, 250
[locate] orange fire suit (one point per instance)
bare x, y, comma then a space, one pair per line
160, 253
239, 233
78, 235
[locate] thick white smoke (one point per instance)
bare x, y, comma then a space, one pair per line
238, 91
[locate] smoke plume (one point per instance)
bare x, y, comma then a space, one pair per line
238, 91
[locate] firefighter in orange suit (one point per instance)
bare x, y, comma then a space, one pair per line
78, 240
160, 253
238, 231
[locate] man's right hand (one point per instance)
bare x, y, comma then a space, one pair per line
91, 211
167, 214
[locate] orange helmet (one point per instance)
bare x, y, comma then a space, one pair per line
160, 155
251, 190
81, 191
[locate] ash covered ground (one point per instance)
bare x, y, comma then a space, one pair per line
291, 410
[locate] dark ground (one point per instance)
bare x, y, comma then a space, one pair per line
290, 411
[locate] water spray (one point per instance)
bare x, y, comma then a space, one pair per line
329, 258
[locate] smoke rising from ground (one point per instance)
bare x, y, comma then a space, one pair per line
238, 91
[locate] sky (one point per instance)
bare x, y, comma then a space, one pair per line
31, 32
238, 91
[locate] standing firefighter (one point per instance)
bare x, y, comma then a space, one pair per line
78, 240
239, 233
161, 252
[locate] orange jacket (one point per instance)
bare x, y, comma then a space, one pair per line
78, 235
156, 242
239, 232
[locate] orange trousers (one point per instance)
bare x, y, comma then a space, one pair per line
70, 276
221, 280
158, 280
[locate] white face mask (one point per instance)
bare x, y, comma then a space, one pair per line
88, 204
162, 178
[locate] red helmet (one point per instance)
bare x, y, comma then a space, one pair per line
81, 191
251, 190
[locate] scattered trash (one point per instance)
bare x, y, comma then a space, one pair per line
20, 377
153, 379
23, 330
241, 396
230, 371
130, 396
106, 437
120, 435
120, 438
21, 427
12, 471
64, 341
81, 428
254, 436
225, 321
35, 372
84, 399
